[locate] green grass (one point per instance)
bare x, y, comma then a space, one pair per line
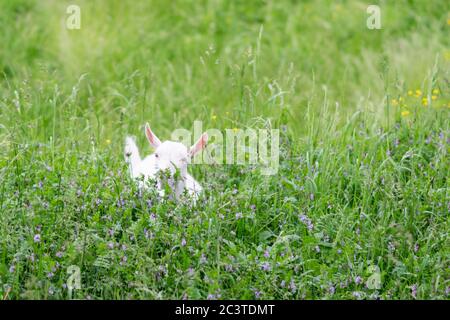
363, 178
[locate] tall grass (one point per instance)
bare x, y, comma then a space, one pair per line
362, 185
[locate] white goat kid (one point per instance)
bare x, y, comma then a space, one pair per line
169, 155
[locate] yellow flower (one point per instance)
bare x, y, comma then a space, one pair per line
235, 129
424, 102
418, 93
410, 92
405, 113
433, 97
435, 91
448, 22
214, 117
394, 102
108, 141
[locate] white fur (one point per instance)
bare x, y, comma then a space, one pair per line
170, 156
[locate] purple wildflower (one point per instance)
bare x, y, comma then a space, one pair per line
229, 268
265, 266
391, 246
292, 286
37, 238
331, 290
238, 215
183, 242
414, 291
396, 142
307, 221
358, 280
121, 203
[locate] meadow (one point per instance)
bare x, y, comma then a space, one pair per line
359, 208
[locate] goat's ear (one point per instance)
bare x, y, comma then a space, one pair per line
151, 137
199, 145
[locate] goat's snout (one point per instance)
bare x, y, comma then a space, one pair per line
166, 166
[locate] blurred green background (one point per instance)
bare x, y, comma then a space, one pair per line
363, 176
223, 62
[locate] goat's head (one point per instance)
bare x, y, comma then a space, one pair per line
173, 156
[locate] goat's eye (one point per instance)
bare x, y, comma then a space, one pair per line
156, 155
